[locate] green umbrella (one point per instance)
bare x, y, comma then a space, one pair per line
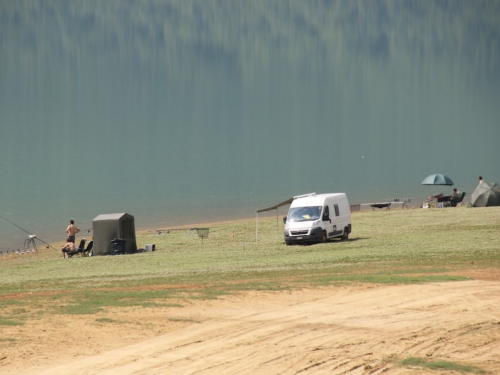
486, 195
437, 179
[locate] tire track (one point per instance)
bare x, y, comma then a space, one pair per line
364, 331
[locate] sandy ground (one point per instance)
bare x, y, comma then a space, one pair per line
358, 329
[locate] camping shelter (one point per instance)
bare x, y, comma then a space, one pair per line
110, 226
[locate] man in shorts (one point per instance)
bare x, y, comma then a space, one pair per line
68, 248
72, 230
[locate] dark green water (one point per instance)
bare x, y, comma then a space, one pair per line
182, 112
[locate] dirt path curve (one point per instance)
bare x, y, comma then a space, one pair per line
335, 330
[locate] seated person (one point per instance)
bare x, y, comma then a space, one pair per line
68, 248
455, 197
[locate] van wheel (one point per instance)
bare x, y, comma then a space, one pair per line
345, 235
323, 237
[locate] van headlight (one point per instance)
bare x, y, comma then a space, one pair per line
316, 223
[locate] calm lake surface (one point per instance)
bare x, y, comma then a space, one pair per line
185, 112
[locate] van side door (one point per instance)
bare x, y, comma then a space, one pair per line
327, 221
335, 220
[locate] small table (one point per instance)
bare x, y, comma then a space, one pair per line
403, 202
386, 205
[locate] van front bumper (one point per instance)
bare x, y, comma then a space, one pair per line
303, 235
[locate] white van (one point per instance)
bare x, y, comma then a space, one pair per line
317, 218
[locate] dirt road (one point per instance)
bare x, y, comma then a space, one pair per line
365, 329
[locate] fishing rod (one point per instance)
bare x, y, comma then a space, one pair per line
48, 245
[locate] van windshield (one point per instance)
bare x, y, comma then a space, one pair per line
304, 213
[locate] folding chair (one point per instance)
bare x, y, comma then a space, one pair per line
79, 249
459, 200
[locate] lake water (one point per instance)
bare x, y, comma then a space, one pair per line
184, 112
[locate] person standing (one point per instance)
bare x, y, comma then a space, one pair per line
72, 230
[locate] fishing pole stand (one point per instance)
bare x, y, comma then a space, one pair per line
29, 243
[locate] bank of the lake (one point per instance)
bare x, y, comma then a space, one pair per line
382, 245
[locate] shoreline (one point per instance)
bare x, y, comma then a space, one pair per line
149, 229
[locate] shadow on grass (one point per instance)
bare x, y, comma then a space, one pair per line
330, 241
354, 239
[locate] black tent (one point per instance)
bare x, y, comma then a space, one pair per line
111, 226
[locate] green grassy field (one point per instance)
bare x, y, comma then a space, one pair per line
396, 246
